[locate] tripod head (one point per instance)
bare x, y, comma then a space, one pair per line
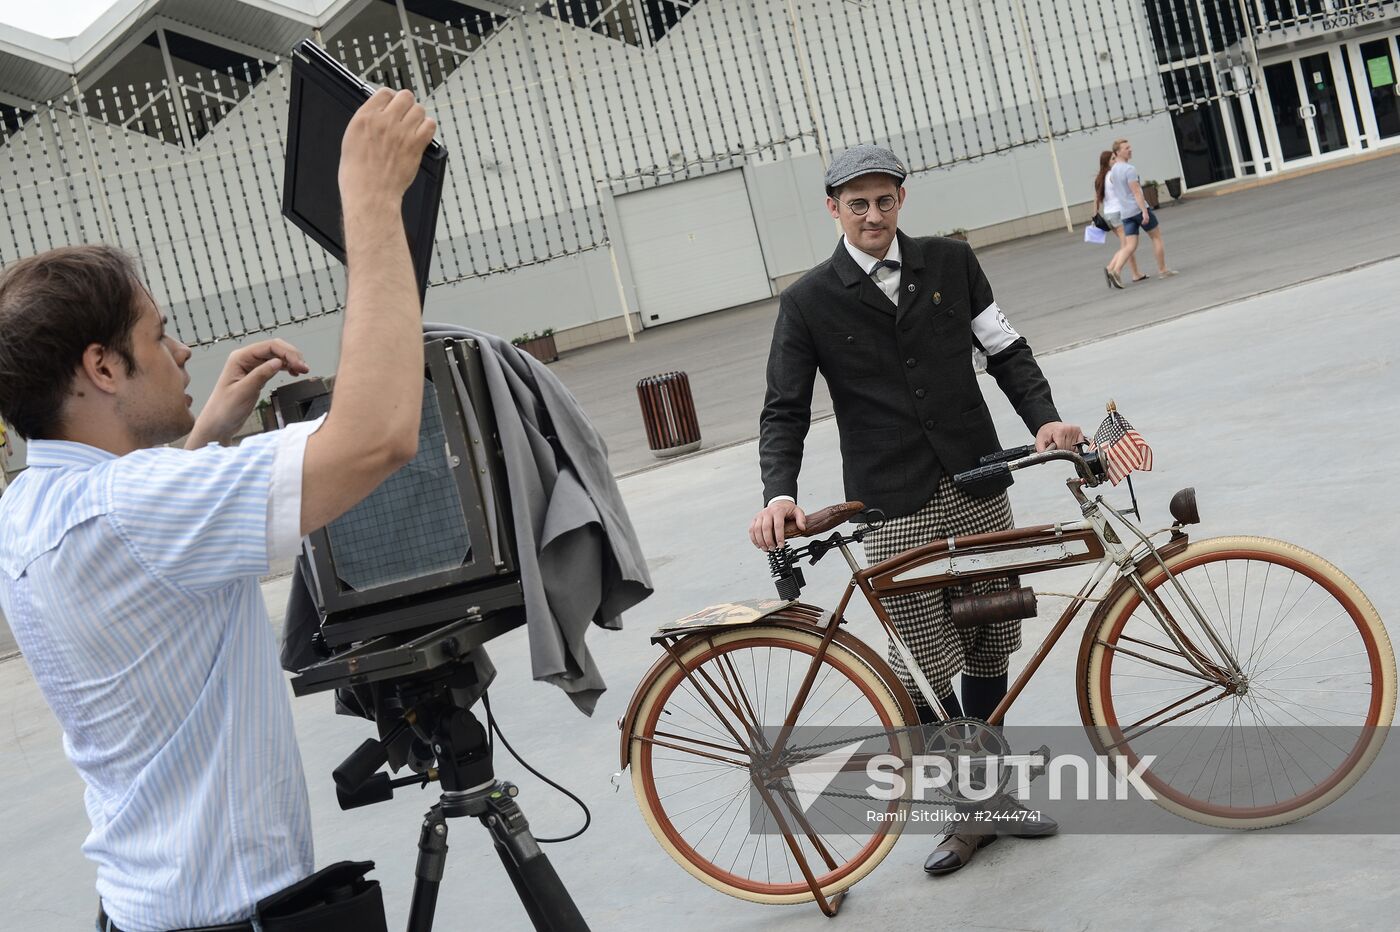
435, 734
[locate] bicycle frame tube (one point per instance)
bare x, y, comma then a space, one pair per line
959, 560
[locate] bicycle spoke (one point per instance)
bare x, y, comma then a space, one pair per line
719, 818
1286, 723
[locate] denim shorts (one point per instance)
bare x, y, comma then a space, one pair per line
1132, 224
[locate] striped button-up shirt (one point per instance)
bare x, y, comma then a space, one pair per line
131, 584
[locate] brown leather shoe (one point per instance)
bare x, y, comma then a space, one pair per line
955, 851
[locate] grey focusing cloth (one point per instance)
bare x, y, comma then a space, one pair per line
580, 560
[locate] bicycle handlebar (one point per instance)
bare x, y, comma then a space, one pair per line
1002, 456
1003, 462
982, 474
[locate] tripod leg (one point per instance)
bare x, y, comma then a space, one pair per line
432, 857
550, 907
522, 890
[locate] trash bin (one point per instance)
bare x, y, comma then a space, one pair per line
668, 412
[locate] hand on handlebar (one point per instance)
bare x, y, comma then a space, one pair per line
1057, 435
766, 529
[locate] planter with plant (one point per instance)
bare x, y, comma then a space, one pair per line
539, 345
267, 416
958, 233
1149, 193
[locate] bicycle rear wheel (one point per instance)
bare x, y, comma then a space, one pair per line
1294, 733
694, 779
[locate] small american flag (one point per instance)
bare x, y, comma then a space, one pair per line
1122, 448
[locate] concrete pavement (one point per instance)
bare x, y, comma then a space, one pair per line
1276, 408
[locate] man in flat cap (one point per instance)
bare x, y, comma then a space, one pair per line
891, 323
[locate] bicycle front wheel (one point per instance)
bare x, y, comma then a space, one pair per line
695, 762
1303, 718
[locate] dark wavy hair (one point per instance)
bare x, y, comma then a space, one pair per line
53, 306
1105, 163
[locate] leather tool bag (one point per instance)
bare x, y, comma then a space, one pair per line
337, 897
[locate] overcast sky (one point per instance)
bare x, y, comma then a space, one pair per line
57, 19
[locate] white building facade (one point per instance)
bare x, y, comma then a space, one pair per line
620, 164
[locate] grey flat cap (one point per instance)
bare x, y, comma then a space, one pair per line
862, 160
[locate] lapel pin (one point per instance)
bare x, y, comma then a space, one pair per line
938, 297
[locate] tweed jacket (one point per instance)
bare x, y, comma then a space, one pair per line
902, 380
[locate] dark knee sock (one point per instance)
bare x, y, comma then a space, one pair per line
980, 694
950, 705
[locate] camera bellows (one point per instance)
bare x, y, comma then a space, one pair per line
968, 611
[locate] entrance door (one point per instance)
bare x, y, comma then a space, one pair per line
1306, 106
1324, 105
1382, 84
1290, 118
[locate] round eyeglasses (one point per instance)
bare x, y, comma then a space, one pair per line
860, 206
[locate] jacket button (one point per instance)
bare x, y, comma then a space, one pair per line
928, 425
950, 313
911, 362
919, 393
850, 339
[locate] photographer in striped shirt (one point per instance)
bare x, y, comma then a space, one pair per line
129, 570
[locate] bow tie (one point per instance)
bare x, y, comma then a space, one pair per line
883, 264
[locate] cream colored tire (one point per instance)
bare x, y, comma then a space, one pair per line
1380, 708
700, 648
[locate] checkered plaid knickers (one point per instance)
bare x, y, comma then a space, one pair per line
922, 619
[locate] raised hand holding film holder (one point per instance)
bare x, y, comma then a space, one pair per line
324, 96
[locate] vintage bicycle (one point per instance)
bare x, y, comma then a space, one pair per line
1240, 633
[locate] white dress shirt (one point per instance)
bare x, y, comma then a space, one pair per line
131, 585
887, 279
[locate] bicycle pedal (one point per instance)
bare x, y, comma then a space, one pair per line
1041, 753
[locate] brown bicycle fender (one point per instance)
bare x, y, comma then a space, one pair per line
1081, 669
855, 645
629, 717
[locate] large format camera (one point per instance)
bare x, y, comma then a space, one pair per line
396, 598
434, 542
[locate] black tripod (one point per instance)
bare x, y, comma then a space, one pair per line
469, 788
433, 702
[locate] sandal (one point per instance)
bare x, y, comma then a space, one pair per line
1141, 278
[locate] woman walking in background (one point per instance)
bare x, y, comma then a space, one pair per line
1126, 187
1107, 207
